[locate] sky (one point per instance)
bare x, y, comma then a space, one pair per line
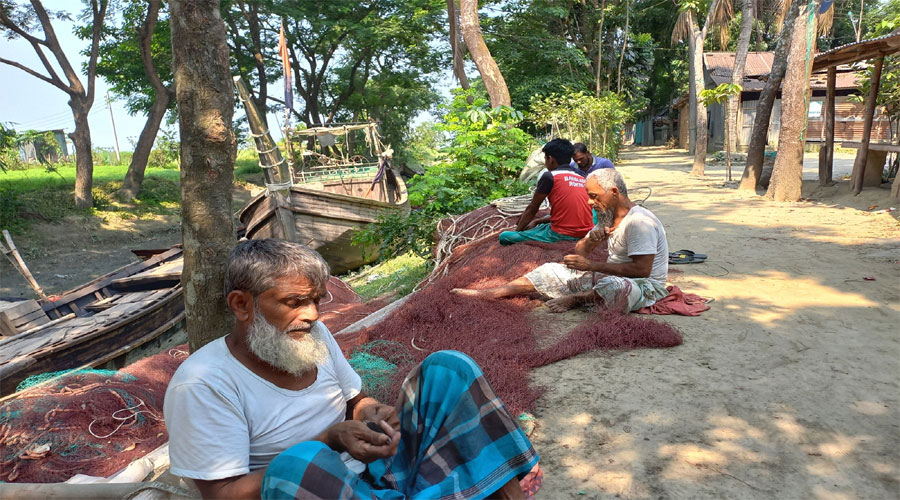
29, 103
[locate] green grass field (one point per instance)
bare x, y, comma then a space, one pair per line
38, 194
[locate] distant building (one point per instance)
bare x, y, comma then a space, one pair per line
848, 119
28, 152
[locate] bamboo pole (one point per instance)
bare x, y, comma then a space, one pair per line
16, 260
271, 155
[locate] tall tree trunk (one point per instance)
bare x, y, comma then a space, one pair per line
759, 134
84, 162
695, 46
134, 177
205, 107
862, 4
599, 66
624, 47
456, 44
733, 105
787, 175
487, 67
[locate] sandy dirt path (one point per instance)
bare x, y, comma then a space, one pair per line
786, 388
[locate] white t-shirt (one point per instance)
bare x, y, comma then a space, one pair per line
224, 420
640, 233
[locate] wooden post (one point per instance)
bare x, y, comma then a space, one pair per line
826, 153
859, 166
16, 260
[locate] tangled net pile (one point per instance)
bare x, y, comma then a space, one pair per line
96, 422
498, 334
89, 421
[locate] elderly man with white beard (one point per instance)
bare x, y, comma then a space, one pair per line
274, 410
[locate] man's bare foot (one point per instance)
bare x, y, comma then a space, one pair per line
466, 292
564, 303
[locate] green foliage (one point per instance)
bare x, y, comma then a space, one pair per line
46, 148
167, 151
9, 149
107, 156
720, 93
422, 147
120, 62
484, 157
398, 275
530, 45
889, 87
596, 121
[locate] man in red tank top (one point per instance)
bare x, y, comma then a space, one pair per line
570, 213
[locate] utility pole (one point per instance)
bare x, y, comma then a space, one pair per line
115, 136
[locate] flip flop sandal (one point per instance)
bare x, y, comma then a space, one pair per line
688, 253
686, 257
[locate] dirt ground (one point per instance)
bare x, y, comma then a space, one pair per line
64, 255
787, 387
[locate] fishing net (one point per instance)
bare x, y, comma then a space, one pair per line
377, 364
85, 421
500, 334
342, 307
96, 422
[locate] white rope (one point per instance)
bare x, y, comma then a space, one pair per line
265, 165
281, 186
178, 354
267, 151
123, 420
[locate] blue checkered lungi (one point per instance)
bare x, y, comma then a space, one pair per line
458, 441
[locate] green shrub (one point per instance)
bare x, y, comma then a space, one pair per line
10, 206
485, 155
596, 121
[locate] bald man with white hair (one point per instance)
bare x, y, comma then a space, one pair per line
634, 274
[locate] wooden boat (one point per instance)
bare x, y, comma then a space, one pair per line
325, 214
94, 324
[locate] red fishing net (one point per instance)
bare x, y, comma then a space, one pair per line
500, 334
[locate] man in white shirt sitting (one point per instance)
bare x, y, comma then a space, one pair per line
633, 276
275, 410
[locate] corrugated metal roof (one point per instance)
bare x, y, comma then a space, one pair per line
758, 63
843, 80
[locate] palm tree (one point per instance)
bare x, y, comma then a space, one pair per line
686, 27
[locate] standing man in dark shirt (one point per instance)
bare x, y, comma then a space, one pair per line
570, 213
586, 162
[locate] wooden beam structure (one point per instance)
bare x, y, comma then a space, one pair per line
876, 48
858, 51
859, 166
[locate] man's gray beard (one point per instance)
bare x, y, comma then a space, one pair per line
604, 218
283, 352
